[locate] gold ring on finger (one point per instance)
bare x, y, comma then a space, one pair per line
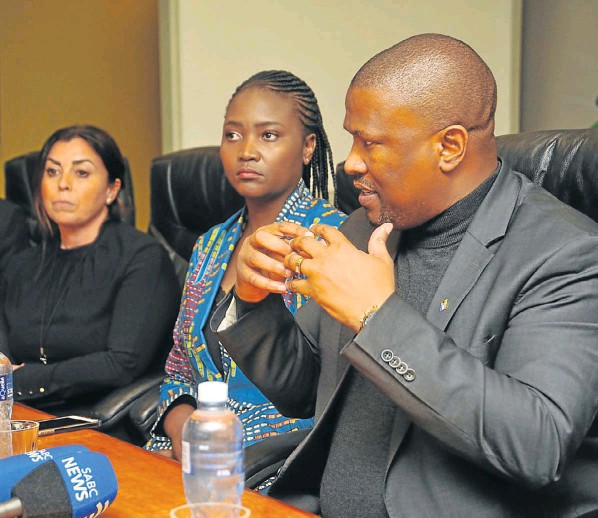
298, 265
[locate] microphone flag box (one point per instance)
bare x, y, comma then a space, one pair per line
14, 469
90, 481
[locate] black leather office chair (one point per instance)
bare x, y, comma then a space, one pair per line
113, 409
18, 174
564, 162
189, 195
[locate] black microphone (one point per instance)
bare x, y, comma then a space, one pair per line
80, 486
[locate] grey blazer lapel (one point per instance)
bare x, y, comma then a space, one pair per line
474, 253
468, 263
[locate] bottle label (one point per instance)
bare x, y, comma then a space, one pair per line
186, 457
5, 387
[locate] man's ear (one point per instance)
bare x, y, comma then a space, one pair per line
453, 141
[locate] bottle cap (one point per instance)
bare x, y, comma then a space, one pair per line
212, 392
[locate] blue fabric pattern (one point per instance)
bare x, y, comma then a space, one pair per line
190, 362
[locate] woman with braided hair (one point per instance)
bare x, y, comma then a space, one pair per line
274, 148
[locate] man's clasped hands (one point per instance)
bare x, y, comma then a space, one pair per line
320, 263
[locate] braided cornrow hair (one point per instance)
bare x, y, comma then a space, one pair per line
321, 164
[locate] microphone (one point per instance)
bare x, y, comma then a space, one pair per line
81, 485
13, 469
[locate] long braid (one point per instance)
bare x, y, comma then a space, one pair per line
316, 172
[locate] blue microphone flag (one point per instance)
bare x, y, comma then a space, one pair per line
90, 481
13, 469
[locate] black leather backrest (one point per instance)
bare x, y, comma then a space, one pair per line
18, 173
564, 162
189, 195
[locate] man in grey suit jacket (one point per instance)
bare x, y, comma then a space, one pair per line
450, 352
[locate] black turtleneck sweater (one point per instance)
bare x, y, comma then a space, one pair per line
353, 480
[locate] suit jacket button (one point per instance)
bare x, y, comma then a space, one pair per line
402, 369
19, 393
387, 355
409, 375
42, 390
395, 362
31, 392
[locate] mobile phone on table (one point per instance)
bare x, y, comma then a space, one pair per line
68, 423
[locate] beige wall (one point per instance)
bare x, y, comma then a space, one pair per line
208, 48
560, 58
70, 61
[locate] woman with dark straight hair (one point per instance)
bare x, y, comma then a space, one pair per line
104, 146
88, 309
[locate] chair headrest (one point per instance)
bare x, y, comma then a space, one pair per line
19, 171
189, 195
564, 162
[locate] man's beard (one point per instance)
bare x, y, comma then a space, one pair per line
386, 216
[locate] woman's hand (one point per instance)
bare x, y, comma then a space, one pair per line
164, 453
17, 367
173, 426
260, 268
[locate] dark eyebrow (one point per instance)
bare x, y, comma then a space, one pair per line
82, 160
75, 162
258, 125
268, 123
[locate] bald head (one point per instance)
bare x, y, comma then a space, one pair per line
440, 78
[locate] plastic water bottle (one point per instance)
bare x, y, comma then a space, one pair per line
213, 449
5, 406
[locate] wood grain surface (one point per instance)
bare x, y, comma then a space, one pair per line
148, 485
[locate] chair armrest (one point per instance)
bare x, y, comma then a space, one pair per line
116, 404
264, 458
143, 412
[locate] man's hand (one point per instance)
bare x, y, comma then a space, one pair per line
345, 281
260, 268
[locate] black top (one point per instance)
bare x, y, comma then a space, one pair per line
14, 235
104, 312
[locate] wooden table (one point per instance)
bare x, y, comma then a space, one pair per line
148, 485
